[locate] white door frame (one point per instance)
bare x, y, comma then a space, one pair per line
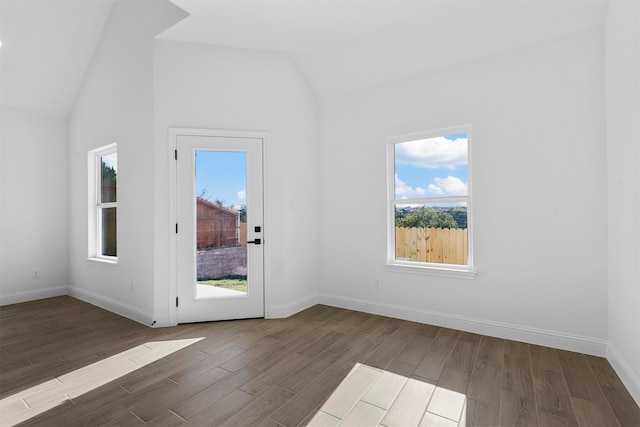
174, 132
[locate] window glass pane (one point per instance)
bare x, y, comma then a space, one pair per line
432, 167
432, 232
109, 243
108, 177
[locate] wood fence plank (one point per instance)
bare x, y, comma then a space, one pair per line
413, 238
460, 246
435, 245
436, 255
432, 245
466, 246
396, 241
422, 244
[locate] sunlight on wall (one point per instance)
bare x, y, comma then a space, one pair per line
38, 399
371, 396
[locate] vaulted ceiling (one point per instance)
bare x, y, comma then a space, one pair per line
349, 45
46, 49
340, 46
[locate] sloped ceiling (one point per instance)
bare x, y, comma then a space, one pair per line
350, 45
341, 46
46, 49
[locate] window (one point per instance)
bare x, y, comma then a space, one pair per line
429, 211
103, 203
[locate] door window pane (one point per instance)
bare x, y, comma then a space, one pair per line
221, 223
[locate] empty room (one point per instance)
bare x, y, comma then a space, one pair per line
319, 212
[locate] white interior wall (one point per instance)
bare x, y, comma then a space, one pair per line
115, 104
34, 205
623, 190
204, 86
539, 195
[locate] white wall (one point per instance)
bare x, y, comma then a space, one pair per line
34, 206
204, 86
623, 164
539, 194
115, 104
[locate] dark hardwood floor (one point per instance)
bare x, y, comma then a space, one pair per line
67, 363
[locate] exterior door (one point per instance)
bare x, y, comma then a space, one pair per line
220, 253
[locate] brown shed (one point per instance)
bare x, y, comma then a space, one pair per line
217, 225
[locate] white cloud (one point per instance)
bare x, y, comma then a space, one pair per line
242, 194
451, 186
403, 190
432, 153
434, 189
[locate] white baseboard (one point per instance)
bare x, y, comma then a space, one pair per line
624, 371
112, 305
286, 310
577, 343
26, 296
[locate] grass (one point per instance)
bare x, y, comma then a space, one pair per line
237, 283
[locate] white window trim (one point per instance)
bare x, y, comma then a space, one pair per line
94, 205
425, 268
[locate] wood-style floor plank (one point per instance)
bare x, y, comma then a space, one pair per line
260, 408
410, 405
482, 414
486, 382
384, 391
593, 414
308, 400
517, 410
581, 382
552, 395
517, 377
322, 366
149, 409
300, 378
221, 410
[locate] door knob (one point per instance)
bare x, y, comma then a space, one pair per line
256, 242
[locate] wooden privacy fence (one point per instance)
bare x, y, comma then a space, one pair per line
439, 245
217, 226
214, 233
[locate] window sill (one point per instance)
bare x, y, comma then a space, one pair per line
432, 271
103, 262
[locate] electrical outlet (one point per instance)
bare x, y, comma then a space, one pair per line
377, 284
35, 274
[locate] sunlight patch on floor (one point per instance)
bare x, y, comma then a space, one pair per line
370, 396
38, 399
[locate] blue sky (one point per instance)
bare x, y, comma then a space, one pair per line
223, 175
433, 167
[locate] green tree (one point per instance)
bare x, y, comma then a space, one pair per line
108, 172
242, 211
424, 217
459, 214
108, 184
